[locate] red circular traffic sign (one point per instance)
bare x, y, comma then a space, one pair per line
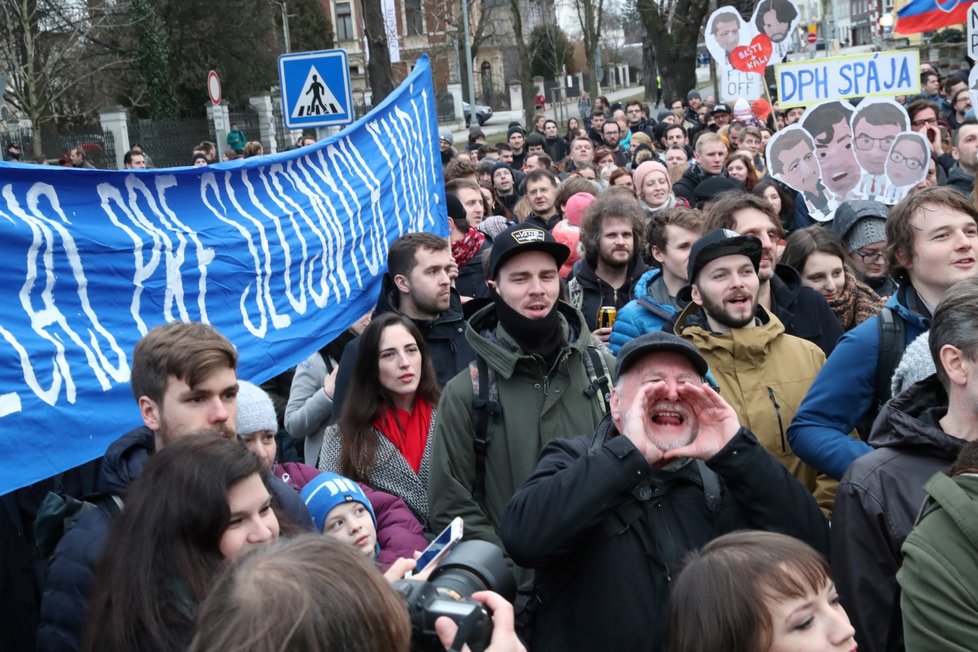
812, 37
214, 87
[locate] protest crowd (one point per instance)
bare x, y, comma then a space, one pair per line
653, 361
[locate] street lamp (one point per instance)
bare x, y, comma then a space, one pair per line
285, 22
468, 63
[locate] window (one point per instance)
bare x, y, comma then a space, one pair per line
344, 22
415, 18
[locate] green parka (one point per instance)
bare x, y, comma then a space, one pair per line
939, 577
536, 407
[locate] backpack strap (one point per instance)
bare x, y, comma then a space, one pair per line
486, 409
891, 328
711, 486
658, 311
575, 294
893, 341
600, 384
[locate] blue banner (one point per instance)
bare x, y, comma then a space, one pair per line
280, 253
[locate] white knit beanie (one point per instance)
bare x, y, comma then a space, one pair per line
256, 413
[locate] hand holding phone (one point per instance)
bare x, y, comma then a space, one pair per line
440, 547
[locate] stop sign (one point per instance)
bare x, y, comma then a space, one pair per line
812, 37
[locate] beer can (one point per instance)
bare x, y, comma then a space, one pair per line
607, 316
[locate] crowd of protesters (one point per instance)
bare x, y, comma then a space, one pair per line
637, 365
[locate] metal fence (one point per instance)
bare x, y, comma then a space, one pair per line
170, 143
97, 144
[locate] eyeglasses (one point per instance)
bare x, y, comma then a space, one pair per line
865, 143
911, 163
924, 121
871, 257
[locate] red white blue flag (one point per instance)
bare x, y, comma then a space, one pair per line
927, 15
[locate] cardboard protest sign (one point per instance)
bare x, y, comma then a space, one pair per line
875, 74
742, 50
838, 152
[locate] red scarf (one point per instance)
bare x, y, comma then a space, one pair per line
463, 250
408, 431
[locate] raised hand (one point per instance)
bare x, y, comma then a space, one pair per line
637, 423
718, 422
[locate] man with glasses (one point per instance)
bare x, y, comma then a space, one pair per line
964, 149
611, 134
923, 118
874, 127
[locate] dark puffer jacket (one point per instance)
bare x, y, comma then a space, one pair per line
877, 502
608, 591
69, 579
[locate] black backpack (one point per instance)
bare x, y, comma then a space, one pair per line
486, 408
893, 341
59, 512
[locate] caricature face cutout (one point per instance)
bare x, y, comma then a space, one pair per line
791, 156
829, 127
867, 152
875, 126
906, 164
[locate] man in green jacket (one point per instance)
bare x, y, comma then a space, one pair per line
539, 366
236, 139
939, 576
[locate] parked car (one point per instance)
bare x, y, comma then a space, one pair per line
482, 113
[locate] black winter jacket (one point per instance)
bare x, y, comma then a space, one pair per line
588, 292
688, 182
69, 579
604, 591
803, 311
877, 503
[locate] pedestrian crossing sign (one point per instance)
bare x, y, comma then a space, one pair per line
315, 89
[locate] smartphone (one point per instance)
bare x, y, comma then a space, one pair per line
440, 547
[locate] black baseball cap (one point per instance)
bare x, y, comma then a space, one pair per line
721, 108
658, 342
520, 238
719, 243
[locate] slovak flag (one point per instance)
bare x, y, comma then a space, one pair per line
927, 15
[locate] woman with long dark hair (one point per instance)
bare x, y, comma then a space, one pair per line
200, 502
383, 438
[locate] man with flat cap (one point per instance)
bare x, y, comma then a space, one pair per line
536, 376
606, 519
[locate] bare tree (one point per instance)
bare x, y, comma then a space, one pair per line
590, 14
379, 66
525, 59
55, 53
672, 29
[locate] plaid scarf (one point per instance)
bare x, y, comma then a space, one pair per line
856, 304
463, 250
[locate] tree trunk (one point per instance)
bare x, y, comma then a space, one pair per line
649, 71
672, 41
379, 66
526, 68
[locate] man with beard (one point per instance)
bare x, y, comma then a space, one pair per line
803, 311
829, 127
611, 233
606, 519
418, 285
184, 379
763, 371
535, 364
611, 133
